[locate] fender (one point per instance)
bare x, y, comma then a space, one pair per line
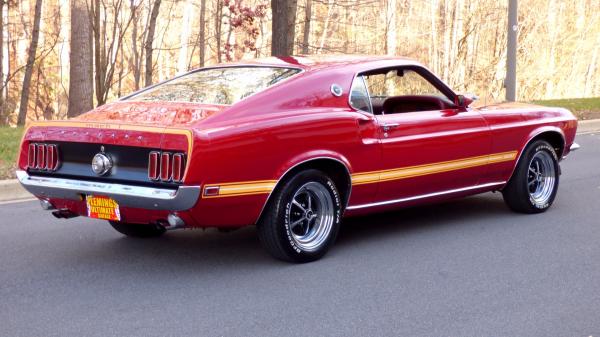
532, 135
303, 159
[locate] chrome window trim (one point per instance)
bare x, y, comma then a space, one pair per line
425, 196
368, 95
129, 98
180, 199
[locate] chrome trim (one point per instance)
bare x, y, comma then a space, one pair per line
298, 164
425, 196
183, 198
522, 150
574, 147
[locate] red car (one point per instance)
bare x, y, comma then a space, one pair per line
291, 145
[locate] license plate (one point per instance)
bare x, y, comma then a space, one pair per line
100, 207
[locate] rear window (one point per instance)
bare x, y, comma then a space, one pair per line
217, 85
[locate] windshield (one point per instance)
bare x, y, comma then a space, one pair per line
216, 86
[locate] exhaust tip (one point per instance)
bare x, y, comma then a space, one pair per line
175, 221
64, 214
46, 205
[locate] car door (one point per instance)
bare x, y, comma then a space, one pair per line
429, 144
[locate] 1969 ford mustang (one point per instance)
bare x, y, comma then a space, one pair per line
291, 145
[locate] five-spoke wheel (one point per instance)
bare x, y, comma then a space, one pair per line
534, 184
302, 219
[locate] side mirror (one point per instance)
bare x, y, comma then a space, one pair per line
463, 101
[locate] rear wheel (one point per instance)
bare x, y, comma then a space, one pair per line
534, 184
302, 219
138, 230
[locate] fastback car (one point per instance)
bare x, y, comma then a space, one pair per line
291, 145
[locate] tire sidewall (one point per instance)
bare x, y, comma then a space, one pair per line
283, 221
535, 148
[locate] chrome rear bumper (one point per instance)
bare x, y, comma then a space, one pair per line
183, 198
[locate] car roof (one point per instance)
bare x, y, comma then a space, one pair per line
357, 63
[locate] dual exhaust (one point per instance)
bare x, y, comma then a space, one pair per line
173, 221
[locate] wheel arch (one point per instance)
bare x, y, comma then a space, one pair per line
331, 165
552, 135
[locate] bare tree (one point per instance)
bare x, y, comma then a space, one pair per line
284, 26
81, 84
149, 41
307, 18
29, 66
136, 60
202, 33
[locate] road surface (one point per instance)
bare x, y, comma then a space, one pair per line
464, 268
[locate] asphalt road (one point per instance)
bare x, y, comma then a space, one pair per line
464, 268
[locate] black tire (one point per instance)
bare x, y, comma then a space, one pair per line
521, 190
138, 230
281, 230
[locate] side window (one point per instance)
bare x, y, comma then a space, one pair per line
403, 90
359, 96
400, 83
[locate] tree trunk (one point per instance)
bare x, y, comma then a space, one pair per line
307, 19
184, 37
80, 71
218, 23
283, 28
391, 28
137, 71
202, 37
1, 61
149, 40
29, 66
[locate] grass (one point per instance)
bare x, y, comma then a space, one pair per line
583, 108
10, 139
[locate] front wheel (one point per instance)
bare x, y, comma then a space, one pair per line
534, 184
302, 219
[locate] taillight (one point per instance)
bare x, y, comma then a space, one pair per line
177, 171
42, 157
153, 165
166, 166
51, 157
31, 157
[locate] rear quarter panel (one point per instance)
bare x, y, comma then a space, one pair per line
263, 150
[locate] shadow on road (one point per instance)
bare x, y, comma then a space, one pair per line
208, 250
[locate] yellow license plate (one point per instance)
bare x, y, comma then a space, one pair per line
100, 207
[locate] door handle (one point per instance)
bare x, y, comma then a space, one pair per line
388, 126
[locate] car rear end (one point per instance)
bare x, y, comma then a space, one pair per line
111, 171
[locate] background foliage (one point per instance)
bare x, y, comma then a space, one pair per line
462, 41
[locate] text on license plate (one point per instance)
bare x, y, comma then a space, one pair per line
101, 207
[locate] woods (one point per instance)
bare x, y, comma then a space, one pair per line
60, 58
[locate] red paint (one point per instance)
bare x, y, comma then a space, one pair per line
298, 120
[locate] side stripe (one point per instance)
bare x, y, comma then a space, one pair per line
422, 170
266, 186
240, 188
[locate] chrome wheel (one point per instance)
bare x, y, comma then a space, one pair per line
541, 178
310, 216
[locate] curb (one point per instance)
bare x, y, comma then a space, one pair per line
588, 126
11, 190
